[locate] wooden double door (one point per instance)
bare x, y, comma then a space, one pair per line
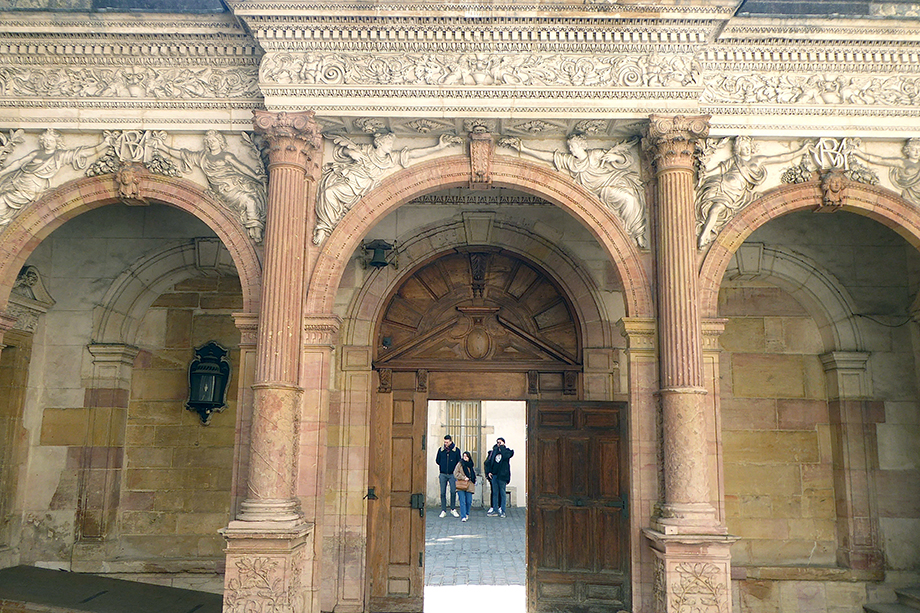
577, 530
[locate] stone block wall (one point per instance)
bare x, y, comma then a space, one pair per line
177, 479
775, 431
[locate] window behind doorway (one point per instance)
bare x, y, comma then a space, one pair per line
464, 422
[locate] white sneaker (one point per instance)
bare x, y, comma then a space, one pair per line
464, 519
454, 513
491, 510
443, 514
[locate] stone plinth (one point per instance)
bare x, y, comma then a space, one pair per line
692, 572
267, 566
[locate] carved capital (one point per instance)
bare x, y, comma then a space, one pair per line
320, 329
671, 141
294, 138
248, 325
385, 376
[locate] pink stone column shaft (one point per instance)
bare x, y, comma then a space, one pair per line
687, 507
294, 150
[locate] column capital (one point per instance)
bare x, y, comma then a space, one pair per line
639, 332
7, 322
321, 329
671, 140
294, 138
248, 325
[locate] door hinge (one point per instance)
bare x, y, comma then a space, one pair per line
420, 559
424, 443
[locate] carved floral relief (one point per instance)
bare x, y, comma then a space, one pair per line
479, 69
811, 89
128, 82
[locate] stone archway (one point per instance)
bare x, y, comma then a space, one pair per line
453, 172
870, 201
481, 322
52, 210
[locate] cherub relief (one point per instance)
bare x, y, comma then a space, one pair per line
608, 173
355, 171
237, 185
905, 171
23, 180
726, 188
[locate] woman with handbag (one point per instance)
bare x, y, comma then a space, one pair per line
466, 484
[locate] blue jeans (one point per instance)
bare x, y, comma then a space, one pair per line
501, 486
444, 480
466, 501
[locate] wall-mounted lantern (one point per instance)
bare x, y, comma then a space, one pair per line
375, 254
208, 377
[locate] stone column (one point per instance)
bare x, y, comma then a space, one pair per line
270, 544
672, 143
693, 562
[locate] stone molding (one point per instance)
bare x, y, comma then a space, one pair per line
321, 330
848, 374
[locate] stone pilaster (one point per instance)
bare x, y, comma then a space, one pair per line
248, 325
853, 416
672, 143
320, 333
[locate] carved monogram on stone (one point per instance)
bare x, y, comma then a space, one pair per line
129, 82
480, 69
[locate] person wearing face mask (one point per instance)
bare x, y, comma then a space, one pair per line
499, 473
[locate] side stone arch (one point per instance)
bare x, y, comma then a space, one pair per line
454, 172
119, 316
818, 290
874, 202
49, 212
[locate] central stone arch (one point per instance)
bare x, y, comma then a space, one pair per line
454, 172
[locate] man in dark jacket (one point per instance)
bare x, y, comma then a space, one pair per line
499, 473
447, 459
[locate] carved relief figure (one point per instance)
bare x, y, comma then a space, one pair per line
238, 186
355, 171
25, 179
728, 187
608, 173
905, 171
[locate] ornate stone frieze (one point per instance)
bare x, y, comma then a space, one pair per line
356, 169
478, 200
612, 174
461, 70
812, 90
128, 82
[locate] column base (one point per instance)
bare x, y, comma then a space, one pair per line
861, 559
692, 570
277, 513
687, 518
268, 569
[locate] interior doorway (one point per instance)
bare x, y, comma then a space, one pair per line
480, 562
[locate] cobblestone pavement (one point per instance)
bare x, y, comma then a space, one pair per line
483, 551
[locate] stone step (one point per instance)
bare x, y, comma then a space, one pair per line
888, 607
26, 589
909, 596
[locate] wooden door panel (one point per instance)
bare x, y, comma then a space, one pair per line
396, 532
577, 538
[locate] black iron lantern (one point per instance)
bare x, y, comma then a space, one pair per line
377, 252
208, 377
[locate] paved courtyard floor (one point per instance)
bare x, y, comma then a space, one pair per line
475, 564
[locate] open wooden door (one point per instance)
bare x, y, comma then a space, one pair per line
576, 508
396, 506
